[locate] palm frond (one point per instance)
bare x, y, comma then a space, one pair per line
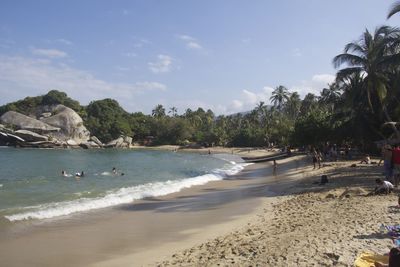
344, 74
354, 47
352, 60
394, 9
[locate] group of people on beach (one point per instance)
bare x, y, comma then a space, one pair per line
330, 152
391, 163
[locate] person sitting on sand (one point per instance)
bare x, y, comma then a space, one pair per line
383, 187
366, 160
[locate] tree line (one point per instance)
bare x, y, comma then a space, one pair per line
358, 107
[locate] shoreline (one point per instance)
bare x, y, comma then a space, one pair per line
239, 151
199, 201
217, 221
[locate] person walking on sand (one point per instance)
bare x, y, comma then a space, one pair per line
315, 156
275, 166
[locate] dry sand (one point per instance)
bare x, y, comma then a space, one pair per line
241, 151
316, 226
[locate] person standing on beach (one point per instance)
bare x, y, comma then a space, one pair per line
387, 162
316, 157
396, 164
275, 166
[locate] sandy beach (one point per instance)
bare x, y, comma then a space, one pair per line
253, 218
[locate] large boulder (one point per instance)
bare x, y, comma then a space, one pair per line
97, 141
116, 142
70, 123
23, 122
89, 144
30, 136
121, 142
128, 140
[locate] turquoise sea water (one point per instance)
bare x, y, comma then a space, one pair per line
32, 187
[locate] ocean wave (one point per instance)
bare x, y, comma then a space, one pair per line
124, 195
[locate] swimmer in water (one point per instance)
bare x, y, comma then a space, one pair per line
114, 170
64, 173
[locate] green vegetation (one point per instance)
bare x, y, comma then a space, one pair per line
353, 109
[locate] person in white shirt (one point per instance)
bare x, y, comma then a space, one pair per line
383, 187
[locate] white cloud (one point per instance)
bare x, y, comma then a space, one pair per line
323, 78
314, 85
50, 53
191, 42
124, 69
194, 45
64, 41
250, 99
6, 43
129, 54
296, 52
162, 65
59, 41
140, 42
150, 86
31, 76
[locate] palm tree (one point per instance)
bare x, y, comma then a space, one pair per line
395, 8
372, 57
293, 105
308, 104
158, 111
173, 110
330, 96
279, 96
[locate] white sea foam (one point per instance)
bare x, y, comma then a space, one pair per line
124, 195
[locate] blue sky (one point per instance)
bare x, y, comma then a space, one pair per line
223, 55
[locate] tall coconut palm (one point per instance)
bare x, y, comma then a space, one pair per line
330, 96
372, 57
279, 96
173, 110
293, 105
395, 8
158, 111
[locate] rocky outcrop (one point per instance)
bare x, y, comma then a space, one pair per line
70, 123
30, 136
121, 142
23, 122
58, 126
96, 141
